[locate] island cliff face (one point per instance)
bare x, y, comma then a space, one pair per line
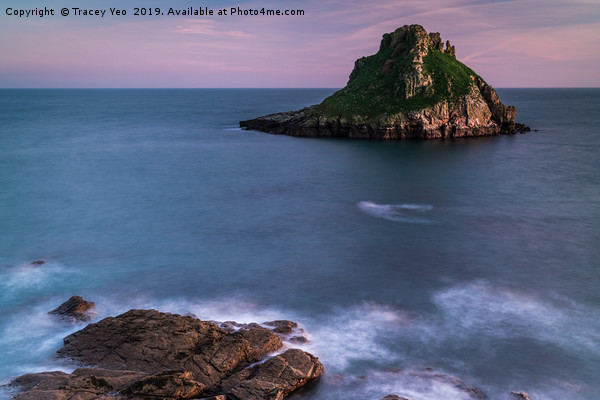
412, 88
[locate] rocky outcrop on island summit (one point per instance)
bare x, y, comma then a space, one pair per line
146, 354
412, 88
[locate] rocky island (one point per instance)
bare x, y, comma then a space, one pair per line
412, 88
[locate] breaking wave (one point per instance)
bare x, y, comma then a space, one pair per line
481, 309
18, 282
356, 343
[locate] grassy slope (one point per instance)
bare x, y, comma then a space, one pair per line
371, 94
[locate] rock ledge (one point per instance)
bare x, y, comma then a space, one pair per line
147, 354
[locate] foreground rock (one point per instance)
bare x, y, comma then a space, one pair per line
169, 384
412, 88
275, 378
149, 354
151, 341
76, 309
287, 330
82, 384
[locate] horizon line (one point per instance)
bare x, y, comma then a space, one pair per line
258, 88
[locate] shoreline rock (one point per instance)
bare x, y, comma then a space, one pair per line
150, 354
147, 354
412, 88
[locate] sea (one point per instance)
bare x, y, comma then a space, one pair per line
416, 268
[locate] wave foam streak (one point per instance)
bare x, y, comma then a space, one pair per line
396, 212
371, 350
481, 309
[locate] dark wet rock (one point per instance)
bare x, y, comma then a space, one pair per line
275, 378
151, 341
282, 326
288, 331
170, 384
229, 326
37, 263
520, 396
298, 340
394, 397
412, 88
522, 128
82, 384
76, 309
146, 354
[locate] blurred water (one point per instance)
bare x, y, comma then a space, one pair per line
477, 257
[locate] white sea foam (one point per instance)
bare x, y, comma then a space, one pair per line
412, 384
354, 334
232, 128
27, 277
347, 335
230, 309
359, 335
351, 341
28, 341
7, 392
481, 309
396, 212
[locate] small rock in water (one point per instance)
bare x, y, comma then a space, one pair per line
394, 397
298, 340
37, 263
82, 384
520, 395
522, 128
229, 326
282, 326
76, 309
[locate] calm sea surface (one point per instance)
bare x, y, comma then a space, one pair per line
479, 258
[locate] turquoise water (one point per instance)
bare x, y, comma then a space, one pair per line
476, 257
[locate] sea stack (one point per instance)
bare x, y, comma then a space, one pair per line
412, 88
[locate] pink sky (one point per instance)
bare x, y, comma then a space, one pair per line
518, 43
